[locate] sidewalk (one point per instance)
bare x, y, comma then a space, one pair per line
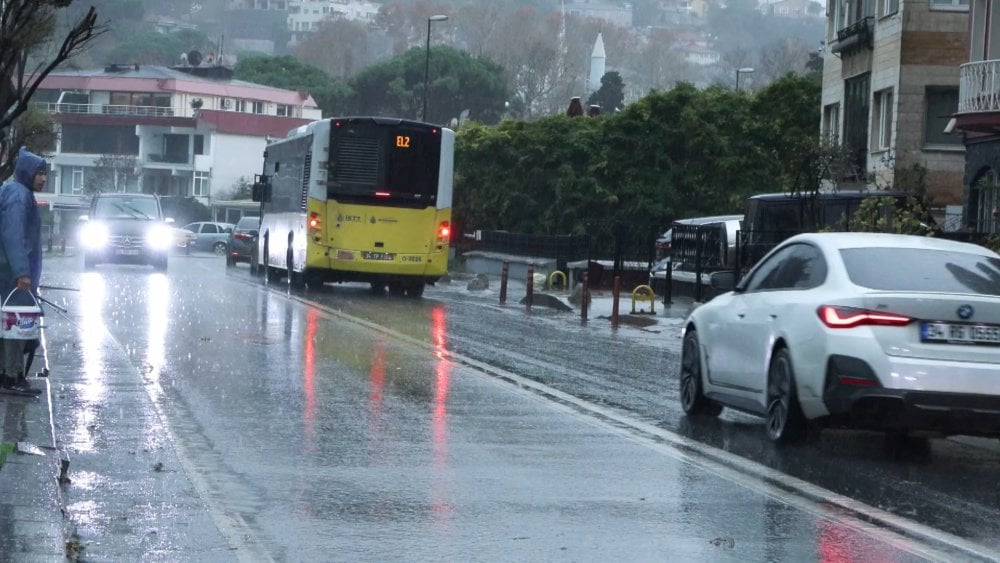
32, 526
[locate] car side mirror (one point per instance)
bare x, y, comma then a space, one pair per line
724, 280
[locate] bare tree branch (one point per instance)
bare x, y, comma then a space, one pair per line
26, 25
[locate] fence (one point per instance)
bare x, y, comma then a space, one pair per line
610, 250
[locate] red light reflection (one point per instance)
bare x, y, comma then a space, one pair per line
442, 375
309, 372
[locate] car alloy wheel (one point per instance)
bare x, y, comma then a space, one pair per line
785, 422
693, 402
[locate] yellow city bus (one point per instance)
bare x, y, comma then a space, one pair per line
357, 199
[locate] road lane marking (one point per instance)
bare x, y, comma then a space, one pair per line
237, 534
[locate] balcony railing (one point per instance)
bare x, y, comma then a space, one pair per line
979, 87
168, 158
105, 109
859, 35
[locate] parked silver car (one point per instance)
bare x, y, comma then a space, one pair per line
210, 236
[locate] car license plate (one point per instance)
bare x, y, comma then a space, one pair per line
956, 333
378, 255
128, 251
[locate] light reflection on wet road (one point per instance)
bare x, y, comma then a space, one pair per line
238, 412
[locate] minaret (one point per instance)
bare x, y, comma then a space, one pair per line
596, 65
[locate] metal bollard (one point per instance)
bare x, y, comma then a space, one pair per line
531, 287
669, 284
614, 301
503, 281
584, 299
62, 245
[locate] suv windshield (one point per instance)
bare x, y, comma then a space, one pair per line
126, 208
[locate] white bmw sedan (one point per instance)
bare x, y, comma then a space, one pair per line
887, 332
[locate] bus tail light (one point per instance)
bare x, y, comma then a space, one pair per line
444, 232
314, 223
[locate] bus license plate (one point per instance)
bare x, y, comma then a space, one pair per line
955, 333
378, 255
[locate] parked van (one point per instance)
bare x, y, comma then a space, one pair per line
771, 218
699, 243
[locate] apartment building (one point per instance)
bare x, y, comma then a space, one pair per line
181, 131
617, 13
978, 118
890, 87
306, 16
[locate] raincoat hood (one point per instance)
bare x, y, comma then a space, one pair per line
27, 166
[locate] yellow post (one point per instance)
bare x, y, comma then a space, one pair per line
644, 293
552, 284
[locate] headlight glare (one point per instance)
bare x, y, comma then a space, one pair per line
159, 237
94, 236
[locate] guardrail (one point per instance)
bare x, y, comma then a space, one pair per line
104, 109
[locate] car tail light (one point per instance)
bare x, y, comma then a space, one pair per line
242, 236
314, 223
835, 316
444, 232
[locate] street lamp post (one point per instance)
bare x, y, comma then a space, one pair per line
739, 71
427, 60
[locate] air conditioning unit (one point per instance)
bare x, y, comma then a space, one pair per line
227, 103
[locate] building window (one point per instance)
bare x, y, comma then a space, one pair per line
76, 181
99, 139
284, 111
850, 12
831, 123
241, 105
954, 5
200, 184
889, 7
857, 96
882, 120
258, 107
199, 144
941, 105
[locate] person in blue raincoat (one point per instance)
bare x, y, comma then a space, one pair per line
20, 252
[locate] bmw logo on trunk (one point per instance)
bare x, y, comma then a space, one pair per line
965, 312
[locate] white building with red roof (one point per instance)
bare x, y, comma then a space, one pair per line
192, 131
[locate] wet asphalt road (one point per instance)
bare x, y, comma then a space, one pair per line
215, 419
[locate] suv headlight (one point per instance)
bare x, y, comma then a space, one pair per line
159, 237
94, 236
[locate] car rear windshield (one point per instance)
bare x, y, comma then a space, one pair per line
917, 269
248, 223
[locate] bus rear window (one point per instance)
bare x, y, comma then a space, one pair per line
391, 164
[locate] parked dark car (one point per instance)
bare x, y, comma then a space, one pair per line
126, 228
241, 240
